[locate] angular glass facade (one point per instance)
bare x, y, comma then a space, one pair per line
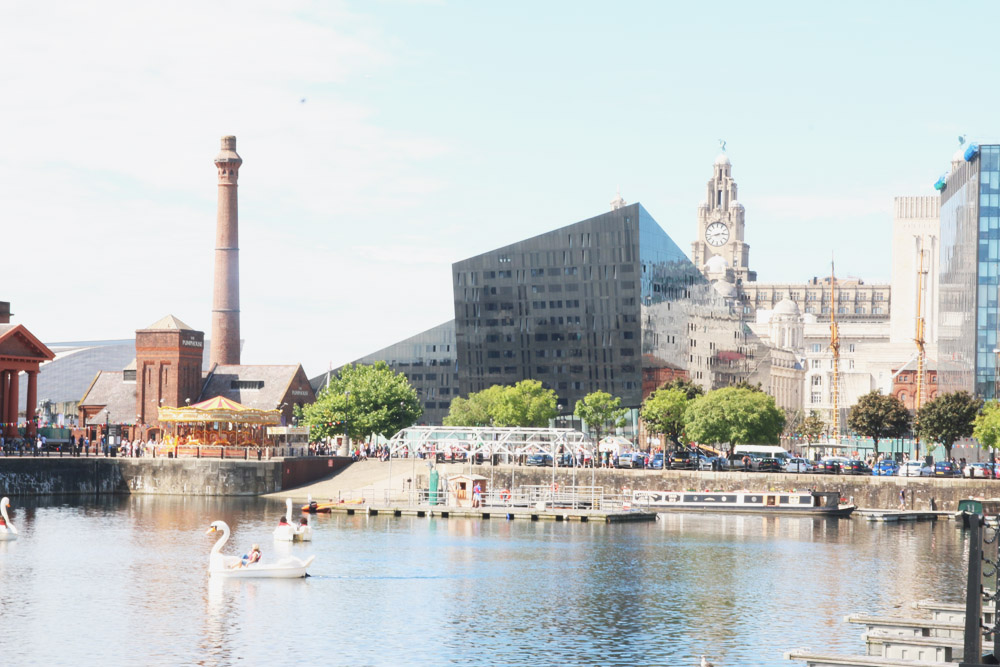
564, 307
970, 275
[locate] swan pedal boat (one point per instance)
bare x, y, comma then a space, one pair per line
289, 532
229, 567
8, 533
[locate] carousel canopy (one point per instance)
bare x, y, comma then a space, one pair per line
220, 409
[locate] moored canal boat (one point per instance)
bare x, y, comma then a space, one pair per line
825, 503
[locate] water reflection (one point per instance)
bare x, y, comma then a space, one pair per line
130, 574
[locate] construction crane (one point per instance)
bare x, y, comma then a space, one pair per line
835, 351
918, 338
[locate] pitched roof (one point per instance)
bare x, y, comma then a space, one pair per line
16, 341
258, 387
168, 322
110, 390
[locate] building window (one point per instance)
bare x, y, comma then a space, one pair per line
817, 380
246, 384
817, 347
816, 363
816, 397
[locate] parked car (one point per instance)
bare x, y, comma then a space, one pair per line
656, 463
798, 465
986, 470
831, 465
713, 463
632, 460
886, 467
539, 460
855, 467
947, 469
683, 460
914, 469
767, 464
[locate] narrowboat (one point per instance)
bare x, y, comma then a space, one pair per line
824, 503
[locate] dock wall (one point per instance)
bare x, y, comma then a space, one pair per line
197, 477
866, 490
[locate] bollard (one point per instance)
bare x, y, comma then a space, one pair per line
260, 454
222, 452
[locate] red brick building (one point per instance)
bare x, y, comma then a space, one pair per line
904, 384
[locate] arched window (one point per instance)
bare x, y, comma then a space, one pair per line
902, 397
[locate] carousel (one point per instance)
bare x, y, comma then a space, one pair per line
216, 427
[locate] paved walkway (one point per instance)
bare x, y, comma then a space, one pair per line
370, 477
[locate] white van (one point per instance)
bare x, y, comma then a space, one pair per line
763, 452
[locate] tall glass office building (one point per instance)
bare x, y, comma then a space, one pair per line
565, 307
970, 272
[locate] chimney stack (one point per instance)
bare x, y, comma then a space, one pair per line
225, 344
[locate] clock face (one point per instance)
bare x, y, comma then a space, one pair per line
717, 234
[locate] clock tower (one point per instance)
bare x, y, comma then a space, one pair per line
721, 225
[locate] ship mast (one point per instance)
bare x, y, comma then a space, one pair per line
919, 340
835, 350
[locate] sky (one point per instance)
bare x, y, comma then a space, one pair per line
384, 140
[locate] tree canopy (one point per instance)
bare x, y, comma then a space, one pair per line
878, 416
986, 427
734, 415
663, 412
526, 404
600, 411
812, 427
690, 389
363, 400
948, 417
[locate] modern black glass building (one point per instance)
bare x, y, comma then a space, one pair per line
566, 307
970, 272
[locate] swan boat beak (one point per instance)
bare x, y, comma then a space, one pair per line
210, 530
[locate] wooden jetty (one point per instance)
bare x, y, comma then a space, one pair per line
501, 513
820, 660
903, 515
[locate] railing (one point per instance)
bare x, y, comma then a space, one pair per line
523, 497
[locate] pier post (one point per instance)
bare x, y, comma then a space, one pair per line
973, 595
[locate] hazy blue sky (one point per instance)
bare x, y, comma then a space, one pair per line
383, 141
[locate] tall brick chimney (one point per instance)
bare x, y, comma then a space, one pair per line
225, 344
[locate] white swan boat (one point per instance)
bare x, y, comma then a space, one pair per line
287, 532
8, 532
231, 567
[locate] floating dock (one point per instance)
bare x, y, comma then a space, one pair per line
501, 513
903, 515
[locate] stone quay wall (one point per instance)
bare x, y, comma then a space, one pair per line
164, 476
867, 491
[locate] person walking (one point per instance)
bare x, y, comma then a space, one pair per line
902, 500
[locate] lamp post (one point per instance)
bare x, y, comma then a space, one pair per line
107, 431
347, 419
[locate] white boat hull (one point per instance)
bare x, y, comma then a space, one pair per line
288, 568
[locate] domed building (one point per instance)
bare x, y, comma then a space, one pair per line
786, 326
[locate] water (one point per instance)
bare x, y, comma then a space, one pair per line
123, 581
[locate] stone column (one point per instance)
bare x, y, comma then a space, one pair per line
4, 382
29, 406
225, 346
12, 405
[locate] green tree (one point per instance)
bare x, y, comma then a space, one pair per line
734, 415
479, 409
363, 400
599, 410
986, 428
690, 389
878, 417
526, 404
663, 412
948, 417
812, 427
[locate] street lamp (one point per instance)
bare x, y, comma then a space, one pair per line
107, 431
347, 418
